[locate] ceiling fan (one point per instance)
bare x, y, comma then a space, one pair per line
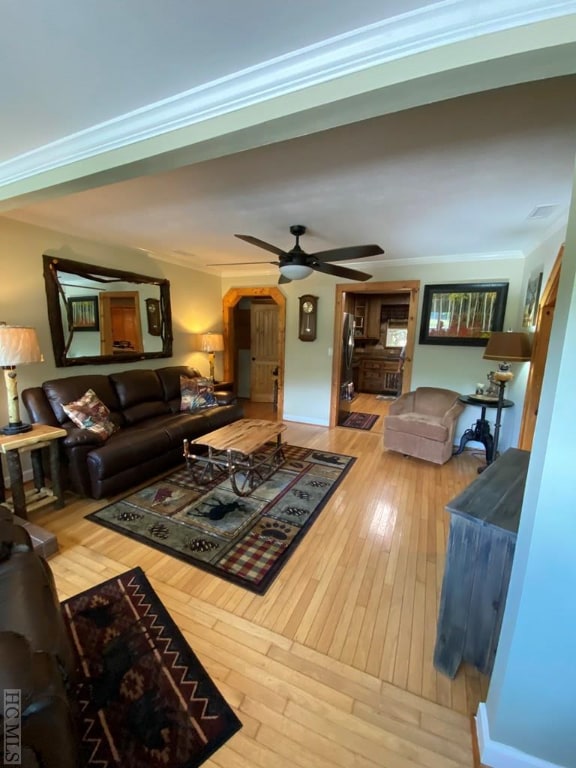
296, 264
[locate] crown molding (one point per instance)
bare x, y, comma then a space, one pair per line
452, 258
268, 268
441, 24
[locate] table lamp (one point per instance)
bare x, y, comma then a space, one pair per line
18, 346
211, 343
506, 347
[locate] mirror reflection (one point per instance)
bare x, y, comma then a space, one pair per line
102, 315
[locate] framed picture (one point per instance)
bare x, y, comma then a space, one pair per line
84, 313
462, 314
532, 299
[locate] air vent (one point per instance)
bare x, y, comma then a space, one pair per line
542, 211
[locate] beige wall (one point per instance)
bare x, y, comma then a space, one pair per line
308, 372
196, 305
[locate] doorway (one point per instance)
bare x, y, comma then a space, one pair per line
541, 339
254, 339
120, 327
380, 311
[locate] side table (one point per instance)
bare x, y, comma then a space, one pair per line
480, 432
39, 438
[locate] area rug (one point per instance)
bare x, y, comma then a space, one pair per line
144, 699
358, 420
246, 540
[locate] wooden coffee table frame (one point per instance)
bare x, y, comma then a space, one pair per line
233, 450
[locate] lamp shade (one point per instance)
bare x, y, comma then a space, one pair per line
18, 346
295, 271
211, 342
513, 347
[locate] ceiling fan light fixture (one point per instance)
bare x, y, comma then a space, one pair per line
295, 271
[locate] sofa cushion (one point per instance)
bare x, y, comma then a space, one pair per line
136, 386
89, 412
140, 395
145, 411
170, 380
130, 447
196, 394
418, 424
60, 391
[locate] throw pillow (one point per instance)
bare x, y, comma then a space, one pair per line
196, 394
89, 412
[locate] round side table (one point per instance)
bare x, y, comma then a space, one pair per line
480, 432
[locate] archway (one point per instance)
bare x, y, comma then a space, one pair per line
229, 302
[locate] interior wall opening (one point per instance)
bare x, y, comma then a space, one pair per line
254, 338
374, 341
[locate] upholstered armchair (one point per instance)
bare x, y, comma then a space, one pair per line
422, 424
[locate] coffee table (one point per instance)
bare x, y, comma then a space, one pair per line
239, 449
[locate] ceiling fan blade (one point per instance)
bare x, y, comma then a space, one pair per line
261, 244
283, 279
351, 252
330, 269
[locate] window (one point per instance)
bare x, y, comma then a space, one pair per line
396, 337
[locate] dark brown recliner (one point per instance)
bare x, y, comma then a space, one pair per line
36, 656
145, 405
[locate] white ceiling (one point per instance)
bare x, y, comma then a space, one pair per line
458, 177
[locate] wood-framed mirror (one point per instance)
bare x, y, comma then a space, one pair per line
95, 314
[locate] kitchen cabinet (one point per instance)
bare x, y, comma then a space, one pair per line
379, 376
367, 317
360, 316
373, 318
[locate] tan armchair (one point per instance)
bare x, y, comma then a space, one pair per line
422, 424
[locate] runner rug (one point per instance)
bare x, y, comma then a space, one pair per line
143, 697
357, 420
246, 540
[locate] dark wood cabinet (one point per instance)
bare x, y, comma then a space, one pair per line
376, 376
367, 317
484, 521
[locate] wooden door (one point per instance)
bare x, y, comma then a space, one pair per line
120, 327
265, 358
540, 343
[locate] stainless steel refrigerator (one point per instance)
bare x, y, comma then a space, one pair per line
346, 377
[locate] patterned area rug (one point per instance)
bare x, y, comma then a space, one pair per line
144, 698
246, 540
357, 420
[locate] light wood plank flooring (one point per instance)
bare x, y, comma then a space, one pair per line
333, 666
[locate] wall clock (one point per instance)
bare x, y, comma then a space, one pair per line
153, 317
307, 317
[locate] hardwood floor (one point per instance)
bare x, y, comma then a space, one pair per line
333, 666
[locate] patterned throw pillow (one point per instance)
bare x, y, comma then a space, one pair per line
89, 412
196, 394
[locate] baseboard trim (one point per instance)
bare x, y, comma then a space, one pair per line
302, 420
26, 475
496, 755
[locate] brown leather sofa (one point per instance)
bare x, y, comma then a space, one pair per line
36, 656
145, 405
